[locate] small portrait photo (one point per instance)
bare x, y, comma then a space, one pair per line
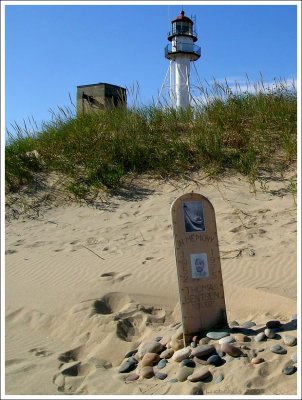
199, 265
193, 215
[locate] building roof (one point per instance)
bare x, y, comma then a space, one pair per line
182, 17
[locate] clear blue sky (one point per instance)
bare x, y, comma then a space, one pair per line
50, 49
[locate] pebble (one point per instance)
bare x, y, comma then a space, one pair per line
149, 359
226, 339
217, 335
188, 363
278, 349
168, 353
147, 372
196, 391
130, 353
289, 340
214, 360
257, 360
158, 338
294, 358
128, 365
204, 340
260, 337
248, 324
183, 373
269, 333
240, 337
231, 350
181, 354
233, 323
200, 361
203, 350
291, 369
273, 324
162, 364
132, 377
219, 378
160, 375
148, 347
199, 375
193, 345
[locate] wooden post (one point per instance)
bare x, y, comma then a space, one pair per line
198, 265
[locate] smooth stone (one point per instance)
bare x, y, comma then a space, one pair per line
214, 360
278, 349
260, 337
219, 378
148, 347
248, 324
217, 335
231, 350
294, 358
269, 333
168, 353
196, 391
273, 324
291, 369
199, 375
187, 362
289, 340
203, 350
158, 338
149, 359
162, 364
241, 337
257, 360
193, 345
181, 354
147, 372
226, 339
132, 377
127, 365
204, 340
200, 361
130, 353
183, 373
160, 375
233, 323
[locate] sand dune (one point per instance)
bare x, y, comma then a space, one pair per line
85, 285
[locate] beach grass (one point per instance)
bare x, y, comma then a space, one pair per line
229, 130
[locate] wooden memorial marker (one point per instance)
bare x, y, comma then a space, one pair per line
198, 265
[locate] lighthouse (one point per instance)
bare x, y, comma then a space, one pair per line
181, 52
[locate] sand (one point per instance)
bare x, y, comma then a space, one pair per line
85, 284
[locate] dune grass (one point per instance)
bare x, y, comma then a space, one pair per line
233, 130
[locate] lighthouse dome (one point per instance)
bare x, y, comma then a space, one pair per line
182, 26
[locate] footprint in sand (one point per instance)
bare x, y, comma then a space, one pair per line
113, 277
40, 352
147, 259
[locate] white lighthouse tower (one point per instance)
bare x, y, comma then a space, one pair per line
181, 52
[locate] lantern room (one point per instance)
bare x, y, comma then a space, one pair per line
183, 26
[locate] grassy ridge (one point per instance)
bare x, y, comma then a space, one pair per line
244, 132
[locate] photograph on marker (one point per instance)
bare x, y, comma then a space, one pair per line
193, 215
199, 265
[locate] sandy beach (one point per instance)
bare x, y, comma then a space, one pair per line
87, 284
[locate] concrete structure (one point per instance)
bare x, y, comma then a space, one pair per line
99, 96
181, 52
